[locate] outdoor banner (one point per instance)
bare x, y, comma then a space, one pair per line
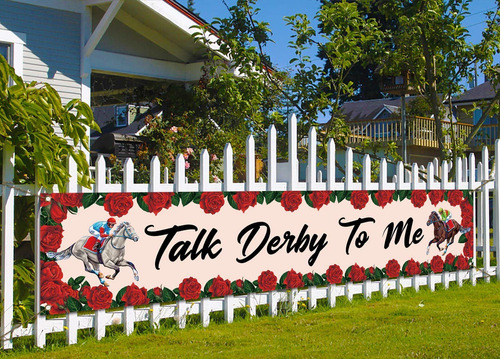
170, 246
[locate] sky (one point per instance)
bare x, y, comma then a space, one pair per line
273, 11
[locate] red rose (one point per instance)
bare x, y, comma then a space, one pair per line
85, 291
334, 274
384, 197
58, 308
466, 207
135, 295
69, 291
51, 292
418, 198
425, 265
267, 281
189, 288
309, 276
359, 199
156, 201
69, 199
392, 268
320, 198
157, 291
455, 197
468, 250
245, 200
45, 199
118, 204
469, 236
449, 259
239, 283
99, 298
211, 202
293, 280
436, 196
58, 212
50, 238
50, 271
412, 268
462, 263
357, 273
291, 200
220, 287
371, 270
437, 264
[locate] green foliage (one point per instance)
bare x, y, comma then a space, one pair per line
29, 114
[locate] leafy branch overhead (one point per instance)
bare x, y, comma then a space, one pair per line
30, 113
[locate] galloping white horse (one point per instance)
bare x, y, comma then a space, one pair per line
112, 253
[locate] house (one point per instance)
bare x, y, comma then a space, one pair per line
100, 51
469, 108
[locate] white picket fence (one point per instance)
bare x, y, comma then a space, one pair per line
468, 176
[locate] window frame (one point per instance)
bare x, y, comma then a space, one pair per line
16, 40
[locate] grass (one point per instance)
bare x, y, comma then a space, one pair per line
458, 322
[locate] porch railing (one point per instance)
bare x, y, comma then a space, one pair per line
421, 132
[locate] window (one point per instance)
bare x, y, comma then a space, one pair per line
12, 48
5, 51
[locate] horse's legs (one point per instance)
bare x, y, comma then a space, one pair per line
112, 265
434, 240
94, 270
122, 262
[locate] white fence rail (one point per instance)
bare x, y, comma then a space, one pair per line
469, 175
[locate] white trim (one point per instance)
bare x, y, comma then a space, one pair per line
138, 66
385, 108
17, 40
65, 5
102, 27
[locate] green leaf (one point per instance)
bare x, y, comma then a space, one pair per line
395, 196
186, 197
269, 196
332, 197
374, 199
232, 202
260, 198
168, 295
143, 205
135, 195
100, 201
283, 277
120, 294
197, 197
175, 199
72, 210
73, 304
317, 280
308, 200
341, 195
208, 285
248, 287
89, 199
462, 239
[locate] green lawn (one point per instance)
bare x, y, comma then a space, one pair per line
459, 323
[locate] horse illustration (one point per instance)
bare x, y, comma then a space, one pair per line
440, 232
111, 255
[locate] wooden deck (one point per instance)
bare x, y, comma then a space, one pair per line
421, 132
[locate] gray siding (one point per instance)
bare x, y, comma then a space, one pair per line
52, 51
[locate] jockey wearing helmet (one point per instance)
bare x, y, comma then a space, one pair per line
445, 217
101, 230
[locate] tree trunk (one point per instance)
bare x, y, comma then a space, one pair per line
430, 78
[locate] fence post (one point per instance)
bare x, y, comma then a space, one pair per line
485, 211
7, 246
39, 327
496, 207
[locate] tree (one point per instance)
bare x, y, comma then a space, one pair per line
431, 42
28, 115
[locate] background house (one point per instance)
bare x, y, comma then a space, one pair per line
101, 51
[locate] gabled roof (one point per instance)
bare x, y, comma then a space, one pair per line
485, 91
368, 109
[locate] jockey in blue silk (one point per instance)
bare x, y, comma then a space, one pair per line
101, 230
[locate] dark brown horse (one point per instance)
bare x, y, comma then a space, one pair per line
440, 232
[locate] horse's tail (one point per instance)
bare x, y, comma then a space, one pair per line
464, 230
61, 255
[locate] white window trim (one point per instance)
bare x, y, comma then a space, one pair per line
16, 40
